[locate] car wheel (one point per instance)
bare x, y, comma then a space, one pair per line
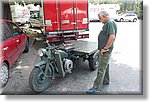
121, 20
134, 20
26, 48
4, 74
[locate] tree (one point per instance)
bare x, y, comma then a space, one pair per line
139, 9
125, 5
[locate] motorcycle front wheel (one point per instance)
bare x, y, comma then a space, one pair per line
37, 81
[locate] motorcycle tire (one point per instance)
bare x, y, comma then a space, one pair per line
37, 81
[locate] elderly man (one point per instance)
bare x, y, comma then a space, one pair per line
106, 39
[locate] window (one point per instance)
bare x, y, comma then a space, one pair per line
91, 9
127, 14
4, 32
34, 14
132, 14
15, 30
96, 10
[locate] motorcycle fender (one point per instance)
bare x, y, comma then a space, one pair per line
40, 63
48, 72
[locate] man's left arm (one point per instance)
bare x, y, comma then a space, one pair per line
110, 41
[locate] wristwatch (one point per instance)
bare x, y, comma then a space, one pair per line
105, 48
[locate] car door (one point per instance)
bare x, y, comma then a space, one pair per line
19, 38
8, 45
128, 17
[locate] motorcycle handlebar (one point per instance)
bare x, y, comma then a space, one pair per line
52, 46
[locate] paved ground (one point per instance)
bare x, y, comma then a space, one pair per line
125, 67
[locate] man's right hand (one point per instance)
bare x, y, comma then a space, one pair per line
103, 51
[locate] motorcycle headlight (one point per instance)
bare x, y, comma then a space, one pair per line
42, 52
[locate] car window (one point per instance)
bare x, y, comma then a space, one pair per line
132, 14
3, 37
15, 30
129, 14
4, 32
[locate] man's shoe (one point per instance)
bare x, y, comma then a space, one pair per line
93, 91
105, 83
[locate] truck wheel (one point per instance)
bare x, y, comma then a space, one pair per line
37, 81
4, 74
93, 62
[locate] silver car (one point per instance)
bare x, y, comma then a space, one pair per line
131, 17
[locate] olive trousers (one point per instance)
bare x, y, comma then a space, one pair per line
103, 70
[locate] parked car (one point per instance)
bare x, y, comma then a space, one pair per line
131, 17
13, 43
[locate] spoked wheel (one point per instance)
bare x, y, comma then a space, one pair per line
4, 75
37, 81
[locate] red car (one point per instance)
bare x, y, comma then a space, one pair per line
13, 42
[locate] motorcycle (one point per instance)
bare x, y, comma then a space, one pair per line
57, 61
53, 61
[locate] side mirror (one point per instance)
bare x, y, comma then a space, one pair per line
24, 32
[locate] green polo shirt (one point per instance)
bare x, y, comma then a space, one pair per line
108, 28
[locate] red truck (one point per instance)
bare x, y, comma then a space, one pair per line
65, 20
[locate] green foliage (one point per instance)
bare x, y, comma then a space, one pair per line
139, 9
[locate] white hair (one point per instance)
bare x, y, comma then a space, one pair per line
103, 13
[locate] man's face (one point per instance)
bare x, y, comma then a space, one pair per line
103, 19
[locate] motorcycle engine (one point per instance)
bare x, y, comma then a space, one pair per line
68, 65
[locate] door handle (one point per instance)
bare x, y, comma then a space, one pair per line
5, 48
17, 40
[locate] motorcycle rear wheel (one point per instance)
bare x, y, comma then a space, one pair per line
37, 81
